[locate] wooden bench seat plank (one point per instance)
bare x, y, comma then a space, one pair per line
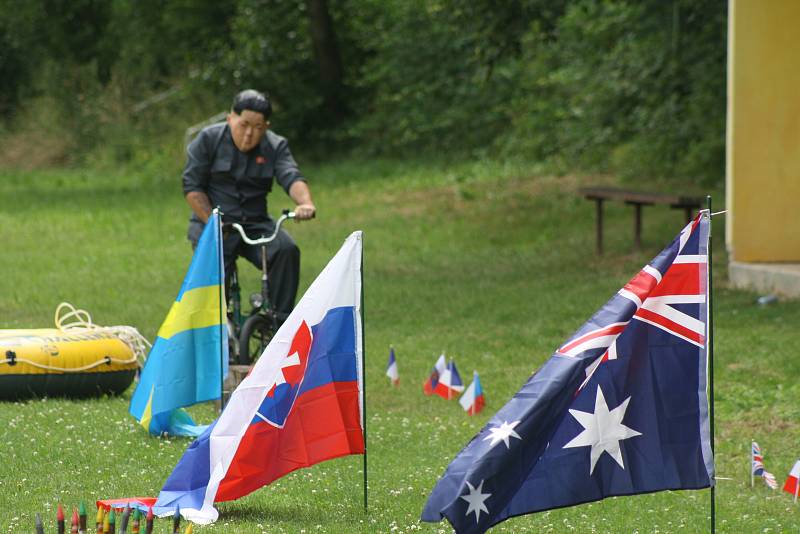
637, 199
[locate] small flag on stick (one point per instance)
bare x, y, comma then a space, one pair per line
391, 368
757, 463
473, 400
450, 383
438, 369
791, 485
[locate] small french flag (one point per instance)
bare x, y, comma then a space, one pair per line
473, 400
391, 368
438, 369
450, 383
791, 485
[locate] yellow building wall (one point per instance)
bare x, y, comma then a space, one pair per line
763, 146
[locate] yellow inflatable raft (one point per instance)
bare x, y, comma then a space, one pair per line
74, 362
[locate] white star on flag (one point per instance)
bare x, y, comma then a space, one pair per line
602, 430
502, 433
476, 500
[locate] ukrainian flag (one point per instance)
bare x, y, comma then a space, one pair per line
190, 353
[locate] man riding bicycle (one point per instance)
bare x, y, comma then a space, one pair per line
232, 165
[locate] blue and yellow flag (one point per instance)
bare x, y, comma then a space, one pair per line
191, 349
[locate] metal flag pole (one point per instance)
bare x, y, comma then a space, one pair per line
222, 321
752, 460
711, 361
363, 372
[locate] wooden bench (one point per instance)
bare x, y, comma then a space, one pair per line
638, 199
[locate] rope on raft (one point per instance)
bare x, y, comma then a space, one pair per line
75, 320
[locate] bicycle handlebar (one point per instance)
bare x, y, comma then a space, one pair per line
262, 240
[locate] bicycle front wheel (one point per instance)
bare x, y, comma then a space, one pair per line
256, 335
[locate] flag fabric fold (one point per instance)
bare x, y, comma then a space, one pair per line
438, 368
302, 402
391, 368
191, 348
473, 400
619, 409
449, 384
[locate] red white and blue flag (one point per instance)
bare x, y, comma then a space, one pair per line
473, 400
438, 369
757, 468
792, 484
620, 409
391, 368
301, 403
450, 383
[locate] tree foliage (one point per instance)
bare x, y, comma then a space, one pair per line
632, 86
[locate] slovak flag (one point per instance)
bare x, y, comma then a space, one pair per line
302, 402
791, 485
472, 400
438, 369
621, 408
449, 384
391, 368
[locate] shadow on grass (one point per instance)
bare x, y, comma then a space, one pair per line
274, 512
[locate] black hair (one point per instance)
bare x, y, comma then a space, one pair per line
254, 101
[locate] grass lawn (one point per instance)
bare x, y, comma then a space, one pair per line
491, 263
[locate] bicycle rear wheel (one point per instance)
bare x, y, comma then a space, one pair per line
256, 335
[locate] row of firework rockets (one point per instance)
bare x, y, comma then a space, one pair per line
445, 381
792, 484
106, 521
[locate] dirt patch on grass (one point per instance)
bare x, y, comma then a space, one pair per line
461, 196
29, 151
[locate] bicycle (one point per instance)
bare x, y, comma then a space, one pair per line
249, 336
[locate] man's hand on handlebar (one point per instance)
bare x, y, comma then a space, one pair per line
303, 212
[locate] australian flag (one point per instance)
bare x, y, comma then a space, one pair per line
619, 409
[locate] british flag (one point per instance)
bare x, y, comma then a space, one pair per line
621, 408
757, 468
668, 294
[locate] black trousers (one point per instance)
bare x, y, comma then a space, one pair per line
283, 260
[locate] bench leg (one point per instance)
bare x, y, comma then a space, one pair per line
599, 225
637, 226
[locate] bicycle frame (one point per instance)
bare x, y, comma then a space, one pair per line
264, 308
263, 241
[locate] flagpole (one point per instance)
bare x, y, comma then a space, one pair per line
449, 390
222, 321
752, 475
711, 362
363, 373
